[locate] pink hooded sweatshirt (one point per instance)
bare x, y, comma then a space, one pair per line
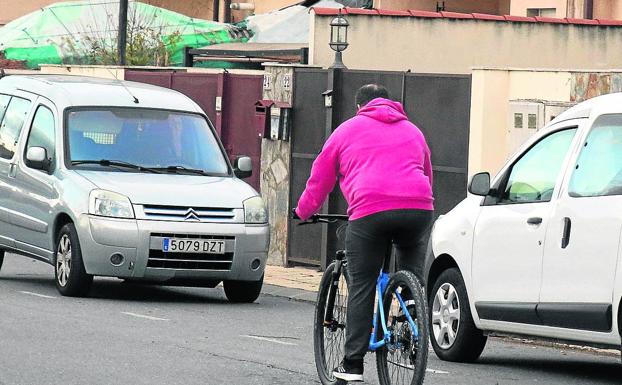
381, 160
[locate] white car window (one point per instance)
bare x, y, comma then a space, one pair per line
598, 171
533, 176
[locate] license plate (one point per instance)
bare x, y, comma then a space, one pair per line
175, 245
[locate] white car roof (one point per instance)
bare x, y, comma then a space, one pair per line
71, 91
605, 104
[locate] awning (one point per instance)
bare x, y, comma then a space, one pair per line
250, 52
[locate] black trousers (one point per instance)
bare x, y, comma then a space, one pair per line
367, 240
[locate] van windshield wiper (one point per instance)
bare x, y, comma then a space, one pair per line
116, 163
177, 169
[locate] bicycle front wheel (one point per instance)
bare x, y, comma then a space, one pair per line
329, 337
404, 359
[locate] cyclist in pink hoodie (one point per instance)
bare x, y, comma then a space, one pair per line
383, 166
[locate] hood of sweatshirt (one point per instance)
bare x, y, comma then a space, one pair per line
383, 110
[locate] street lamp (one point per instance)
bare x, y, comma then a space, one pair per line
339, 38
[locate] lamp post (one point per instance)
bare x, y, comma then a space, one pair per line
122, 37
339, 39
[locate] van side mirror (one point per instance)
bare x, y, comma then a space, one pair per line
243, 167
37, 158
480, 184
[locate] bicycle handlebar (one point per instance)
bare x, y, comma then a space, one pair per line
320, 218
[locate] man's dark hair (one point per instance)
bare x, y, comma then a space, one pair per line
369, 92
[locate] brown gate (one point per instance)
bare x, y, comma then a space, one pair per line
227, 99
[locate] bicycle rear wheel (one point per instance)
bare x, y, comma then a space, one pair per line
329, 339
404, 360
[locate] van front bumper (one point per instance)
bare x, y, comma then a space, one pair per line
138, 240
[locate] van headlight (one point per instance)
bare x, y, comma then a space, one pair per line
255, 211
110, 204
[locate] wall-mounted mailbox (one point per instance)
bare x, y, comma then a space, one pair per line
262, 117
280, 121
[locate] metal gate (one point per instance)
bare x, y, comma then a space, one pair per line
438, 104
227, 99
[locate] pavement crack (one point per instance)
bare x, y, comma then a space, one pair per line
265, 364
274, 337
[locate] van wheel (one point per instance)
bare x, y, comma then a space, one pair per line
1, 258
71, 277
243, 291
452, 330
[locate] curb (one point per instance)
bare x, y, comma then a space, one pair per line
290, 293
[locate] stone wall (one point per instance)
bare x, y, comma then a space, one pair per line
588, 85
275, 165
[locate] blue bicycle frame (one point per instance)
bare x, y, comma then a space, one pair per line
381, 286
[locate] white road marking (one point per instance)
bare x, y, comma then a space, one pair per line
269, 340
144, 316
37, 295
434, 371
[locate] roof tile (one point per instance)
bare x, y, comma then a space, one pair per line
582, 21
520, 19
609, 22
361, 11
552, 20
483, 16
328, 11
389, 12
456, 15
417, 13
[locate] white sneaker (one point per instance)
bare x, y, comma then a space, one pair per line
352, 375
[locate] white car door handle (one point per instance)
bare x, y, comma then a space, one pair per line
566, 235
534, 221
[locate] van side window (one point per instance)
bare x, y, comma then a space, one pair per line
533, 176
42, 133
598, 171
4, 103
11, 126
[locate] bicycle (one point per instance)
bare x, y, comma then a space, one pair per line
401, 341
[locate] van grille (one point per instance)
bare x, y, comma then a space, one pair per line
178, 213
189, 261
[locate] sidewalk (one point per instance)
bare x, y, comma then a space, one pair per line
298, 283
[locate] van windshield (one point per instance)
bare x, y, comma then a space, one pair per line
146, 138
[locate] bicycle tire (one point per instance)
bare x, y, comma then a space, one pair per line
405, 365
325, 361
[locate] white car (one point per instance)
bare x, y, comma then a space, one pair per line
537, 251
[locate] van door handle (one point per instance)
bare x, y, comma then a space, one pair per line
566, 234
12, 170
534, 221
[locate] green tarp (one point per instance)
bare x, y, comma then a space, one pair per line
85, 32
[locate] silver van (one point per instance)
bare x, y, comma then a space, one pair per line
111, 178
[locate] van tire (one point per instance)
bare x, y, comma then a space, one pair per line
243, 291
70, 275
1, 258
469, 340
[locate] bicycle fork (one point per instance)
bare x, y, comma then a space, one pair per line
374, 344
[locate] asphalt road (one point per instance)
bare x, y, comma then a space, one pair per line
131, 334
